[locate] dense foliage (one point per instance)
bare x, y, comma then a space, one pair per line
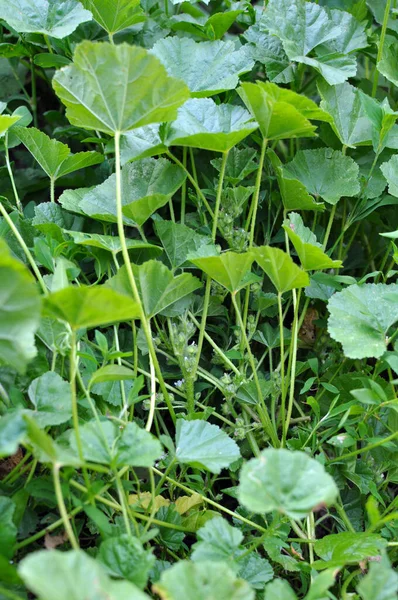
199, 299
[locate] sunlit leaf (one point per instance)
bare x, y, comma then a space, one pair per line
380, 582
201, 444
280, 268
201, 123
6, 121
125, 557
347, 548
326, 173
360, 317
141, 92
12, 432
143, 142
207, 68
390, 172
309, 251
59, 575
289, 482
112, 243
51, 398
117, 15
230, 269
85, 306
179, 241
51, 17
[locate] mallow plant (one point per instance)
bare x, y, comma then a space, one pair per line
198, 300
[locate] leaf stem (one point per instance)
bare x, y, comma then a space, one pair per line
381, 46
62, 508
293, 346
219, 194
389, 438
10, 173
192, 180
256, 194
132, 282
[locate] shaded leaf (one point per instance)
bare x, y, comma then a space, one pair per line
8, 529
19, 311
201, 444
125, 557
230, 269
143, 142
380, 583
347, 548
51, 397
179, 241
389, 170
12, 432
111, 243
289, 482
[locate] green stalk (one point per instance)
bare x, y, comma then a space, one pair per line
381, 46
24, 247
132, 282
329, 226
75, 414
62, 508
193, 181
293, 346
219, 194
10, 173
52, 189
184, 186
282, 361
264, 415
256, 194
389, 438
34, 92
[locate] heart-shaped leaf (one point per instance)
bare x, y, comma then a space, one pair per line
280, 268
114, 17
230, 269
289, 482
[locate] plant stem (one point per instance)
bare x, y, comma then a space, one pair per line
52, 189
329, 226
184, 186
62, 508
10, 173
282, 361
24, 247
132, 282
193, 181
34, 92
219, 194
75, 414
264, 415
389, 438
153, 396
256, 194
381, 46
293, 346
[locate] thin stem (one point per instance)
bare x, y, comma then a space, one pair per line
62, 508
10, 173
193, 181
282, 361
48, 44
329, 226
219, 194
122, 500
184, 185
75, 414
256, 194
153, 396
52, 189
381, 46
34, 92
130, 275
293, 346
264, 413
24, 247
389, 438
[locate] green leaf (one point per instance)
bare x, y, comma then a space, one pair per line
347, 548
50, 61
12, 432
143, 142
294, 193
326, 173
125, 557
144, 92
218, 541
201, 444
380, 582
157, 285
309, 251
360, 317
348, 117
320, 585
389, 170
115, 16
179, 241
6, 121
51, 397
202, 580
111, 243
382, 118
19, 311
89, 306
280, 268
229, 269
54, 157
289, 482
240, 164
201, 123
108, 444
59, 575
111, 373
147, 185
50, 17
278, 589
303, 27
207, 68
45, 449
387, 66
280, 113
8, 530
268, 50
